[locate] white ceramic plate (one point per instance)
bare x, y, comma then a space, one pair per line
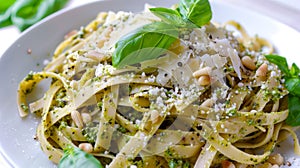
16, 139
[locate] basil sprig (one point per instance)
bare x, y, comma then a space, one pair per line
196, 11
24, 13
292, 83
145, 43
76, 158
152, 40
169, 16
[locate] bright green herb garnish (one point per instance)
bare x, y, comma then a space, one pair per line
169, 16
292, 83
24, 13
145, 43
195, 11
152, 40
175, 163
76, 158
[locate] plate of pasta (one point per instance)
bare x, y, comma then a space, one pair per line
155, 84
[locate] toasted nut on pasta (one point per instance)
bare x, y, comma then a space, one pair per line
87, 147
203, 71
207, 103
77, 118
261, 72
227, 164
248, 63
276, 159
204, 80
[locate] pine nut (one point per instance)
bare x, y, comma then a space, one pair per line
276, 159
207, 103
248, 63
77, 118
275, 166
204, 80
87, 147
227, 164
203, 71
262, 70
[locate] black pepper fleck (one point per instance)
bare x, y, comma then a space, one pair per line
179, 64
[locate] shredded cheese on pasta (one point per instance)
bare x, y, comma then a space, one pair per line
200, 104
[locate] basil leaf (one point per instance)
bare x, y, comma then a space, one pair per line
5, 18
5, 11
28, 12
145, 43
293, 86
184, 6
76, 158
152, 40
292, 83
293, 118
5, 4
197, 11
169, 16
280, 62
294, 70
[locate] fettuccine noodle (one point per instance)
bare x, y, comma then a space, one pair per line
213, 98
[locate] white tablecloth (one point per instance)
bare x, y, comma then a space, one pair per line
286, 11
